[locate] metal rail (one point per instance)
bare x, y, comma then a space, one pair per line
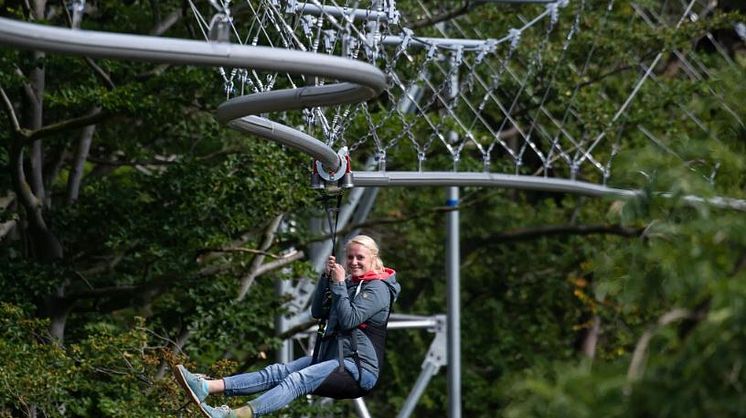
361, 81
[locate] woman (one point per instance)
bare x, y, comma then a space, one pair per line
356, 304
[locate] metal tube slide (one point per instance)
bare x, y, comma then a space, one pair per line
281, 100
361, 81
284, 134
449, 178
183, 51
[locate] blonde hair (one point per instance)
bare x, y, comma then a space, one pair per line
371, 245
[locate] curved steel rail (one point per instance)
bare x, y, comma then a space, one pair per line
362, 81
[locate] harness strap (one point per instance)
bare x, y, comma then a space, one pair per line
368, 330
317, 344
327, 301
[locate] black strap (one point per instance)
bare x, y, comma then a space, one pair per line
340, 385
356, 356
367, 331
327, 300
319, 337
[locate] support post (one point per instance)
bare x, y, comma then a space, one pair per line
434, 360
453, 303
285, 351
361, 408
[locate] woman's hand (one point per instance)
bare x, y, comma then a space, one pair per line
335, 271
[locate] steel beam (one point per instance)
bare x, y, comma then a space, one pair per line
451, 178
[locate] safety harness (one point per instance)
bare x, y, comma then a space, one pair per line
340, 384
332, 216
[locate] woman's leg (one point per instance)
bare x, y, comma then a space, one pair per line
267, 378
198, 387
296, 384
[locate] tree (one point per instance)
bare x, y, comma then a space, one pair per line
132, 222
133, 227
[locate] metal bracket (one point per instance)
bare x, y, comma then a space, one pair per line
435, 359
322, 178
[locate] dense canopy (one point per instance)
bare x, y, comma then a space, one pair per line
137, 232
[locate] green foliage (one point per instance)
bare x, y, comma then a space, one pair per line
34, 371
150, 247
110, 372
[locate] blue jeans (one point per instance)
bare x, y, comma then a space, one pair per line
285, 382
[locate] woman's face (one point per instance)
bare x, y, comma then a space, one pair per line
359, 259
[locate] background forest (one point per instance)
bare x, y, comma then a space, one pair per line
136, 232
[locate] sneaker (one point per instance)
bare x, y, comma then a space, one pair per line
219, 412
195, 385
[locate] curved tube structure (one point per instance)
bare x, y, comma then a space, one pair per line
362, 81
286, 135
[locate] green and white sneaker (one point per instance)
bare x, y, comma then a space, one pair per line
219, 412
225, 412
194, 384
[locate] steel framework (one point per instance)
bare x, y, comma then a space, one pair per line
353, 82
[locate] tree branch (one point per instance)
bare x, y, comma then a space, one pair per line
10, 111
380, 221
570, 229
30, 94
166, 23
740, 265
75, 123
256, 263
617, 70
635, 366
6, 200
235, 250
447, 15
280, 262
101, 74
101, 161
81, 153
591, 338
110, 263
23, 189
103, 292
302, 327
6, 227
224, 151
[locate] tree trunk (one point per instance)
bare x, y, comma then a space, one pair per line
35, 121
81, 153
591, 338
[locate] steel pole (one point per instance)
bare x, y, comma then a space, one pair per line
428, 371
453, 304
285, 352
361, 408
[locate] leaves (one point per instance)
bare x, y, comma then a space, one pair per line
137, 290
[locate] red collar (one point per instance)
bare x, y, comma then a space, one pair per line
373, 275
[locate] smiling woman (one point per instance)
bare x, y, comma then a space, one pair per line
362, 257
355, 303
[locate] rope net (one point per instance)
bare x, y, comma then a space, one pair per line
516, 89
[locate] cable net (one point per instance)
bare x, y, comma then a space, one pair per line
517, 89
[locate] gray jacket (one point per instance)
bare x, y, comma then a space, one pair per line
351, 307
